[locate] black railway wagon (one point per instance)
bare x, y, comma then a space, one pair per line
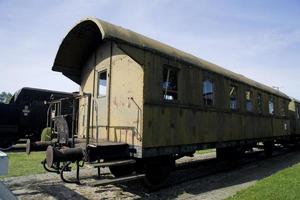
26, 114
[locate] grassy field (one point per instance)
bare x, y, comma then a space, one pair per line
21, 164
282, 185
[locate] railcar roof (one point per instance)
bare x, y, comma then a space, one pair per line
30, 91
88, 33
295, 100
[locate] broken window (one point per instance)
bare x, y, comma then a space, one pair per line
271, 106
102, 83
208, 92
249, 104
170, 88
259, 103
233, 97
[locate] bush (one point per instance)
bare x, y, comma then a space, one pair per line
46, 134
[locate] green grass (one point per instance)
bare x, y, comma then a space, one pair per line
21, 164
285, 184
205, 151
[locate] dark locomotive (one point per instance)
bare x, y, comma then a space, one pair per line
26, 114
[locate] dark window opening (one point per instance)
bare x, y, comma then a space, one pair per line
170, 88
208, 92
271, 106
249, 104
259, 103
102, 84
233, 97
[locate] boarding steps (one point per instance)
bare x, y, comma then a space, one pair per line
108, 181
113, 163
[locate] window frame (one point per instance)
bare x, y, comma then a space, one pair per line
213, 92
236, 97
98, 89
166, 90
271, 100
249, 101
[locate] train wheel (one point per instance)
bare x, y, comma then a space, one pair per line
121, 170
157, 172
230, 153
268, 148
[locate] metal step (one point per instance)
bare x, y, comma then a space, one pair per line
116, 180
113, 163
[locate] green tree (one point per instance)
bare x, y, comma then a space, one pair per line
5, 97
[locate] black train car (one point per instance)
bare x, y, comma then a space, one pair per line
26, 114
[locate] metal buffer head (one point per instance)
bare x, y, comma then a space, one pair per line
54, 155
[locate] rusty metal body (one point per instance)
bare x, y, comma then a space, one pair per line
133, 110
124, 102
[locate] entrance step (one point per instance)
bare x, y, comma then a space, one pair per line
117, 180
113, 163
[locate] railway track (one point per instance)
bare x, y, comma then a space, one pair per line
197, 169
202, 178
203, 168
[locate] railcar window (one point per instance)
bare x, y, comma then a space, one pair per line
208, 92
259, 103
233, 97
298, 112
102, 83
271, 106
249, 104
170, 88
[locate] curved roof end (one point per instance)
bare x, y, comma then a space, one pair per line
77, 45
86, 35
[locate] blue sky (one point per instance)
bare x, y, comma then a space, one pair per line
259, 39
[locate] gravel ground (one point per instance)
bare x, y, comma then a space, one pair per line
191, 183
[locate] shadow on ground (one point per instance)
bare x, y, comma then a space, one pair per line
207, 179
195, 181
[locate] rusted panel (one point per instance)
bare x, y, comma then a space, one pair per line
126, 106
86, 86
126, 111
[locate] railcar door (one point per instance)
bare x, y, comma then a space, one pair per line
100, 105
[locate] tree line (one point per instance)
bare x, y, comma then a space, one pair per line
5, 97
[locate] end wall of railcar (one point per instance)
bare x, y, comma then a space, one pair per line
115, 81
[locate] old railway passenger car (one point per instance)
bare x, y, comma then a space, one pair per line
162, 102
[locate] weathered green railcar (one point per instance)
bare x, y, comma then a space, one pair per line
162, 101
165, 100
